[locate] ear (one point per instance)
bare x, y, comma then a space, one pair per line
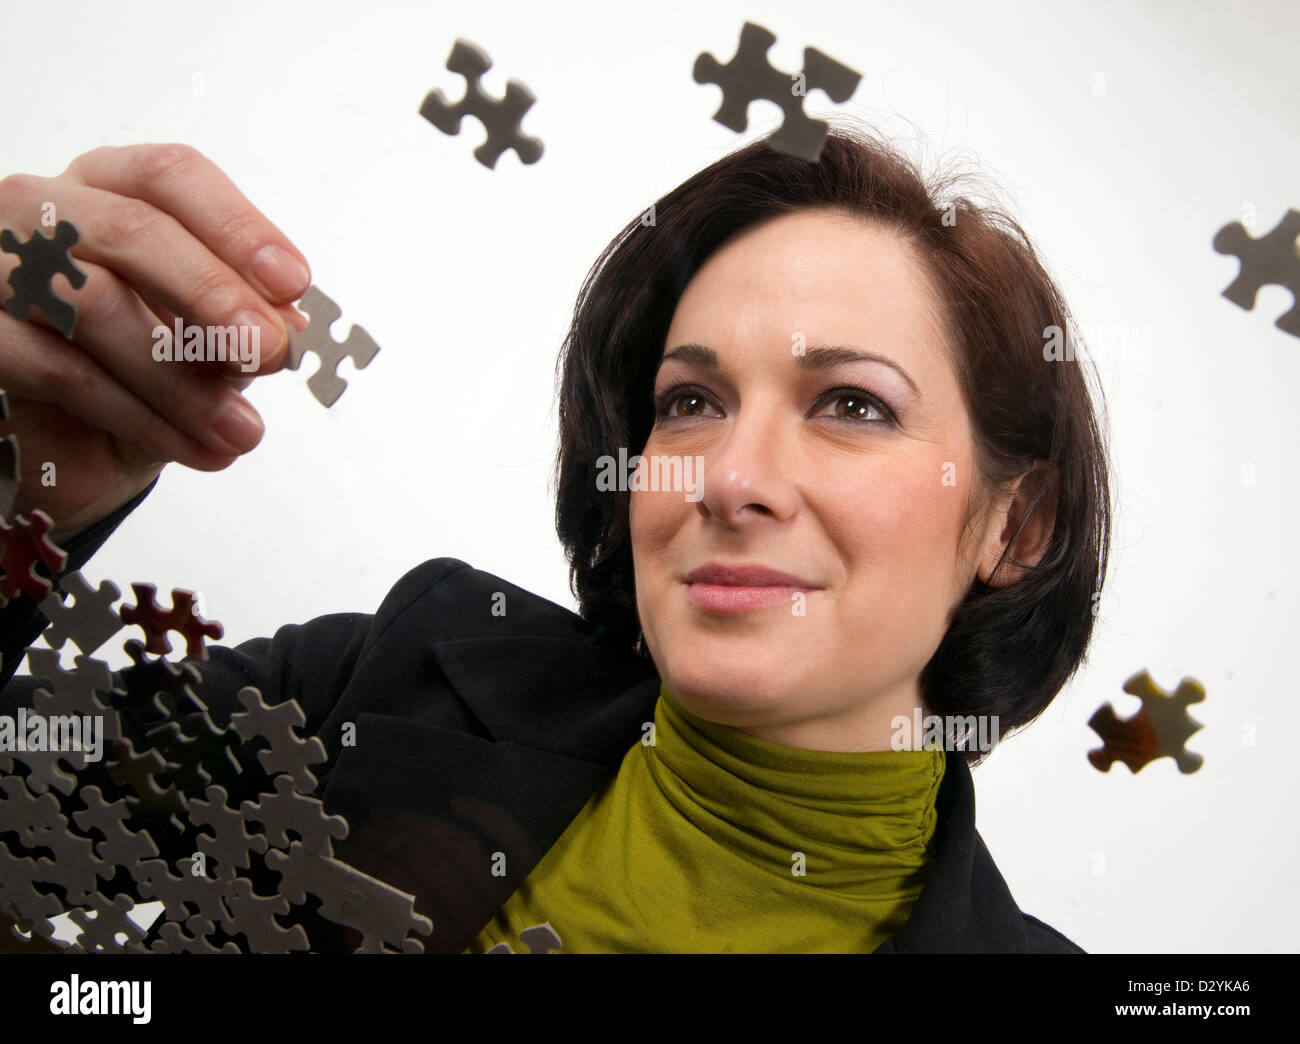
1006, 516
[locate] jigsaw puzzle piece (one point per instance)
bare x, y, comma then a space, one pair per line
141, 772
42, 260
121, 847
1159, 729
173, 940
21, 902
501, 117
229, 842
99, 933
749, 77
539, 938
151, 679
360, 347
90, 622
39, 822
181, 618
197, 751
178, 894
278, 725
23, 547
1270, 260
289, 811
254, 917
14, 939
382, 914
71, 699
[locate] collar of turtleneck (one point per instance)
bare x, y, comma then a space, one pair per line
864, 820
710, 840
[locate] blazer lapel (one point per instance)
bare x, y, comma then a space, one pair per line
460, 821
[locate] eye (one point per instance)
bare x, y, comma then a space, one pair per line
680, 394
851, 405
858, 407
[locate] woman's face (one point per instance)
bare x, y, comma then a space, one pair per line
850, 473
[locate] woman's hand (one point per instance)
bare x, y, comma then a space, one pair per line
164, 233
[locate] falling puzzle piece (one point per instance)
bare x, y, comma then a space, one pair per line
278, 724
171, 939
381, 913
500, 117
40, 824
42, 260
178, 893
13, 940
229, 842
90, 621
23, 547
140, 772
121, 845
21, 903
1158, 730
180, 618
749, 77
197, 750
150, 679
360, 347
254, 917
288, 811
66, 704
1270, 260
99, 934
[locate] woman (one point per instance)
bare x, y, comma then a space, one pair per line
865, 495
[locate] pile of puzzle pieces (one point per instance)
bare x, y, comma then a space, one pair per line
91, 850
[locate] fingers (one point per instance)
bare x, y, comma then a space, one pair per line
173, 253
169, 267
110, 378
184, 183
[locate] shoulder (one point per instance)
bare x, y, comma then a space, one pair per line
448, 599
464, 649
1043, 938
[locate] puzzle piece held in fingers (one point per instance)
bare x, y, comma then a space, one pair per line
42, 259
360, 347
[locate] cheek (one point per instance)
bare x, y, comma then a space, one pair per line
900, 520
653, 517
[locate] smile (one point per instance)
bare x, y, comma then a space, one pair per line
728, 598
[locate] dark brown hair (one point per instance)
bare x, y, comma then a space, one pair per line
1008, 650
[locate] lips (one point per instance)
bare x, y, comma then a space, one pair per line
717, 588
745, 576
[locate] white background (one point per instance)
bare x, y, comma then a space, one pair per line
1124, 135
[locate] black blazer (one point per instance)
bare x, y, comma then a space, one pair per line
476, 734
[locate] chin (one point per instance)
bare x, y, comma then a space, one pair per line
713, 673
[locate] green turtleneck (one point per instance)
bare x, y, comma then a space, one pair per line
710, 840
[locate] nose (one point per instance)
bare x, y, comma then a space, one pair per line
750, 472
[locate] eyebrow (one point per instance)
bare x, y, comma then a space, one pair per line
815, 357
